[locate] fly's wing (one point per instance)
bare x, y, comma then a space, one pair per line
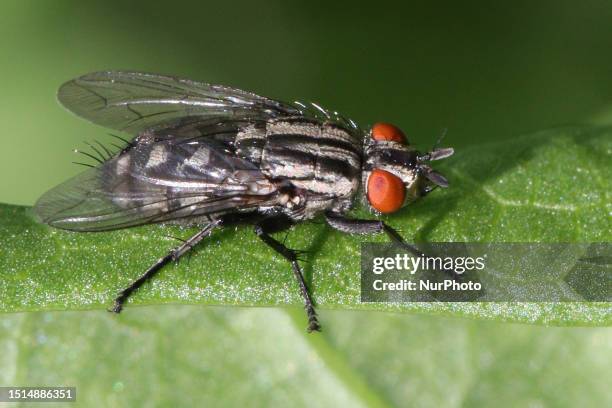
133, 102
157, 182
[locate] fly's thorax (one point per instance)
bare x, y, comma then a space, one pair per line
322, 161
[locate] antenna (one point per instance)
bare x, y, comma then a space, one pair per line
436, 152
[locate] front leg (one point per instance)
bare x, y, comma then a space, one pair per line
353, 226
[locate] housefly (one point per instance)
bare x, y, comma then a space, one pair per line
214, 156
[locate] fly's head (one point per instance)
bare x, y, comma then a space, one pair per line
394, 173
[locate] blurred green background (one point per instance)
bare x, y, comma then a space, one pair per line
486, 71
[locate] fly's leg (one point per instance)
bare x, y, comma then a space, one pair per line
173, 255
352, 226
263, 230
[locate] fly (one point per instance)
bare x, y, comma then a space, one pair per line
213, 156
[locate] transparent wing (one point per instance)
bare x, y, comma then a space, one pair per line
133, 101
157, 182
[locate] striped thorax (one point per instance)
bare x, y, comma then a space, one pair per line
317, 166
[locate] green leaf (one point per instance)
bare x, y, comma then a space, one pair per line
549, 187
205, 356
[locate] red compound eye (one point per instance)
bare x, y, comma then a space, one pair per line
386, 191
386, 131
